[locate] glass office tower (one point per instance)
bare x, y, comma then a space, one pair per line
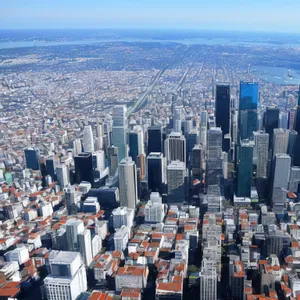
222, 111
249, 99
32, 157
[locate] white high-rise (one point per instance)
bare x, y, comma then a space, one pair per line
88, 139
128, 183
62, 173
260, 153
74, 227
85, 246
280, 141
119, 130
77, 147
175, 147
68, 277
208, 280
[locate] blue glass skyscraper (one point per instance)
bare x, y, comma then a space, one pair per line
32, 156
249, 99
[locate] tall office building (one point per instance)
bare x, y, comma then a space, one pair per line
77, 146
280, 141
88, 139
156, 167
191, 141
85, 246
32, 157
175, 147
51, 163
128, 183
112, 157
155, 139
74, 227
208, 280
84, 167
68, 277
178, 118
244, 169
222, 111
271, 122
249, 99
292, 142
119, 130
197, 160
260, 153
283, 120
281, 176
62, 174
176, 178
214, 156
136, 142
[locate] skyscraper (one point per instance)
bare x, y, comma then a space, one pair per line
280, 141
77, 146
88, 139
249, 98
84, 167
281, 176
192, 140
176, 178
136, 142
175, 147
119, 130
244, 169
214, 156
112, 157
155, 139
197, 160
156, 171
32, 157
271, 121
128, 183
292, 143
222, 111
178, 117
74, 227
62, 173
260, 153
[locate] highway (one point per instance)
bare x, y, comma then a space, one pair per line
143, 98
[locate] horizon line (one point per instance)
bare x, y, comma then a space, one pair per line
158, 28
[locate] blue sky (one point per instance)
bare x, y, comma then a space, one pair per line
257, 15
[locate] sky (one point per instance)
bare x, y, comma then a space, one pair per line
248, 15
